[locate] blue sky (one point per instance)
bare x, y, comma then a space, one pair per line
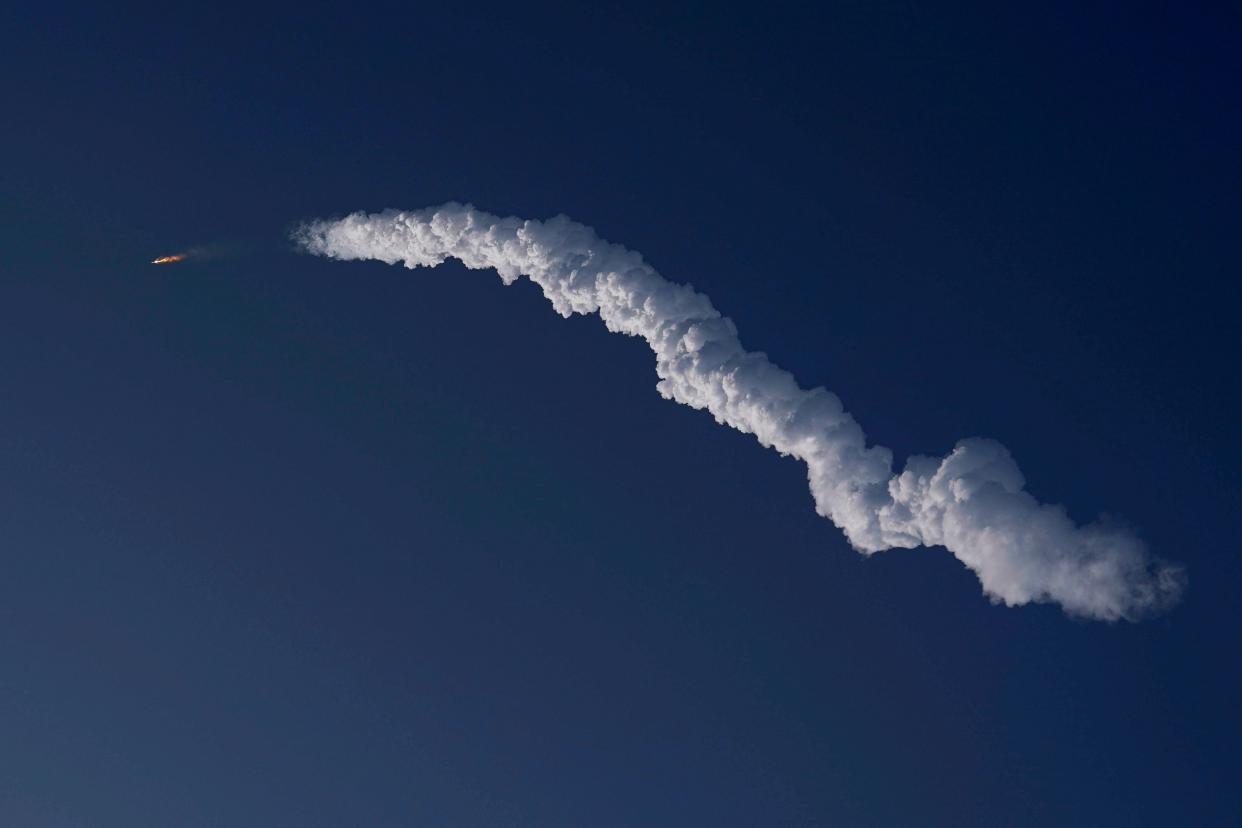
291, 541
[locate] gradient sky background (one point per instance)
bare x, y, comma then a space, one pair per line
294, 542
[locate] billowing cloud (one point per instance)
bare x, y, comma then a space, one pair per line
972, 501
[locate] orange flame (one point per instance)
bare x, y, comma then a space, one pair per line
167, 259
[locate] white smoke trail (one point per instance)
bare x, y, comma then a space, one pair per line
971, 502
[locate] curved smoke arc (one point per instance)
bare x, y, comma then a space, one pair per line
971, 501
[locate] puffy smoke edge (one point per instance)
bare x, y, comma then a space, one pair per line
971, 501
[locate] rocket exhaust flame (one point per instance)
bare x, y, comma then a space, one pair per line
169, 259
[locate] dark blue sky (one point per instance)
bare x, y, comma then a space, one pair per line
295, 542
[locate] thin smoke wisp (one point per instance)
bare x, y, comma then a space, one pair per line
972, 501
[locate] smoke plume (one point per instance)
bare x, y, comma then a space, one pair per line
971, 501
